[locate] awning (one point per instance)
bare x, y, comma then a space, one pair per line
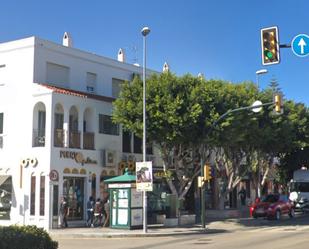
3, 178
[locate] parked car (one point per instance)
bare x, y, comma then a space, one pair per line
272, 206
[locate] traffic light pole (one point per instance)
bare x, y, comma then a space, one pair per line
203, 192
202, 156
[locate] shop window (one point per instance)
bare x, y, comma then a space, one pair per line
5, 196
42, 195
73, 190
106, 125
32, 196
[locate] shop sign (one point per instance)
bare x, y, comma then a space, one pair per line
77, 157
162, 174
119, 185
54, 175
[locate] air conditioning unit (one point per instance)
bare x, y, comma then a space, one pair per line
108, 158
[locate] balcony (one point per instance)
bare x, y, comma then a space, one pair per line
74, 139
88, 141
59, 138
38, 138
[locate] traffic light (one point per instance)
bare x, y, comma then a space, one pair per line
207, 172
278, 107
270, 46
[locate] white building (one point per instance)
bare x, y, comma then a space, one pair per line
56, 134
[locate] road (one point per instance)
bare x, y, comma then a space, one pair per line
284, 234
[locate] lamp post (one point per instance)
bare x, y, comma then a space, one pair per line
259, 72
262, 71
145, 31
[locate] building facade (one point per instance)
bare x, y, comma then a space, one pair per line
56, 134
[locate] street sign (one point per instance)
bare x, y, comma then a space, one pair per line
258, 104
300, 45
54, 175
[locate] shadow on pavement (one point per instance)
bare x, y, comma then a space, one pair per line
299, 220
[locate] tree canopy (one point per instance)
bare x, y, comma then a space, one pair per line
182, 117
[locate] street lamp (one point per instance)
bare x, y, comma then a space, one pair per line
262, 71
145, 31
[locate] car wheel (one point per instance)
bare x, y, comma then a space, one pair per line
292, 213
278, 215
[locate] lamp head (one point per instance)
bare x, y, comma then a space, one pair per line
262, 71
145, 31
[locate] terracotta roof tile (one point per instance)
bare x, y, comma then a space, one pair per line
78, 93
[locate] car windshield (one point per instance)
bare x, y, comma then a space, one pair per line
300, 186
270, 198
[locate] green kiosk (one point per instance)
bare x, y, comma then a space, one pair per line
126, 204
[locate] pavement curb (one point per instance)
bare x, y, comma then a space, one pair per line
121, 233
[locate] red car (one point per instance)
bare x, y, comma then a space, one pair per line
272, 206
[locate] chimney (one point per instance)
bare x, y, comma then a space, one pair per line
166, 67
121, 56
67, 40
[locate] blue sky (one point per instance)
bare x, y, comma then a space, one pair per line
219, 38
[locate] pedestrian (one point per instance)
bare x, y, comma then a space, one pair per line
107, 211
243, 195
63, 212
98, 217
90, 211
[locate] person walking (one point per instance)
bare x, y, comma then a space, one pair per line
243, 195
106, 209
90, 211
63, 212
98, 217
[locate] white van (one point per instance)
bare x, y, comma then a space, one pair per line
299, 189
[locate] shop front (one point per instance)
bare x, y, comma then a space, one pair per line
5, 196
74, 192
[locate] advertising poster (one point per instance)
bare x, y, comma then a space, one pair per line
144, 176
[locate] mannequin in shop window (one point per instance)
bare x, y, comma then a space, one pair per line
63, 212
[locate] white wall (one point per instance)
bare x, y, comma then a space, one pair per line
26, 62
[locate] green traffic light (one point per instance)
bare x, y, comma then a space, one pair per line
269, 54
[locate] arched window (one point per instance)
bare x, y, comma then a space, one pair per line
58, 126
74, 133
38, 124
88, 129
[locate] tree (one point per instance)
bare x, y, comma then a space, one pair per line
173, 122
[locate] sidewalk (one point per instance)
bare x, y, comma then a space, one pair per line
212, 226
